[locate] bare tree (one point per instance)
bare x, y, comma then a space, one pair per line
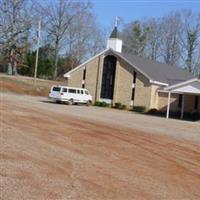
59, 16
14, 26
190, 38
84, 39
153, 44
170, 27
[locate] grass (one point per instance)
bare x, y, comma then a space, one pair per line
24, 85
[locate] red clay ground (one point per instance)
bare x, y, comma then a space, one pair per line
48, 153
24, 85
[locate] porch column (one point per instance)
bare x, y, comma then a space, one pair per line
168, 104
182, 107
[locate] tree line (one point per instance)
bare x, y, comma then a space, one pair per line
70, 34
172, 39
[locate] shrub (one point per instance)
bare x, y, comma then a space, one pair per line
156, 112
101, 104
140, 109
191, 116
120, 106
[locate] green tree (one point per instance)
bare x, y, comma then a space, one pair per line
135, 37
45, 62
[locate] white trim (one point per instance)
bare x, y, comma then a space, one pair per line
131, 103
168, 105
182, 83
66, 75
158, 83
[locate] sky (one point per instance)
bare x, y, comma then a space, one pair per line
129, 10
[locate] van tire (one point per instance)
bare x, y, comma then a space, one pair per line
88, 103
71, 102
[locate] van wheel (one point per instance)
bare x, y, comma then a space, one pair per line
71, 102
89, 103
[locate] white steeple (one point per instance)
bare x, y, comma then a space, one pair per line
113, 41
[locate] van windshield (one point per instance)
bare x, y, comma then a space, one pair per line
56, 89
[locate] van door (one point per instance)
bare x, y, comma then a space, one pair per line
82, 96
65, 93
72, 94
79, 96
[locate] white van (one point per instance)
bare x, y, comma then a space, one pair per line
70, 95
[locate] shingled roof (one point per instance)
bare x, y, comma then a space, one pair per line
157, 71
153, 70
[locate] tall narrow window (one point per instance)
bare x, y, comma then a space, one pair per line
133, 86
133, 94
84, 74
108, 77
134, 77
180, 100
196, 102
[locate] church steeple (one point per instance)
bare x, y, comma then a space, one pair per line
113, 41
114, 33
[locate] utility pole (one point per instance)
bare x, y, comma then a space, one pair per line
37, 52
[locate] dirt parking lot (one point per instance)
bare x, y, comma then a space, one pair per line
51, 151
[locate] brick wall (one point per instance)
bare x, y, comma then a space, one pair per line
142, 91
123, 83
188, 107
92, 83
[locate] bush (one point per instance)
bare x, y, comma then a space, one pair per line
120, 106
140, 109
152, 111
101, 104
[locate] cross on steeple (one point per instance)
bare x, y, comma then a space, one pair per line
116, 21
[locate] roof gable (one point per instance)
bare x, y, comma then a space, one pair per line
190, 86
158, 73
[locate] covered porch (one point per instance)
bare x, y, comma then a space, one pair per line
190, 88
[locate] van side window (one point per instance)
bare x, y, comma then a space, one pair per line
64, 89
81, 91
86, 92
56, 89
72, 91
78, 91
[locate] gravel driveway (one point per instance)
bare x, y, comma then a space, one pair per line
53, 151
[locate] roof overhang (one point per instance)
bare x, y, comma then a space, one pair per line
158, 83
191, 86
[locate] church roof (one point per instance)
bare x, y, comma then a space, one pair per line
156, 72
